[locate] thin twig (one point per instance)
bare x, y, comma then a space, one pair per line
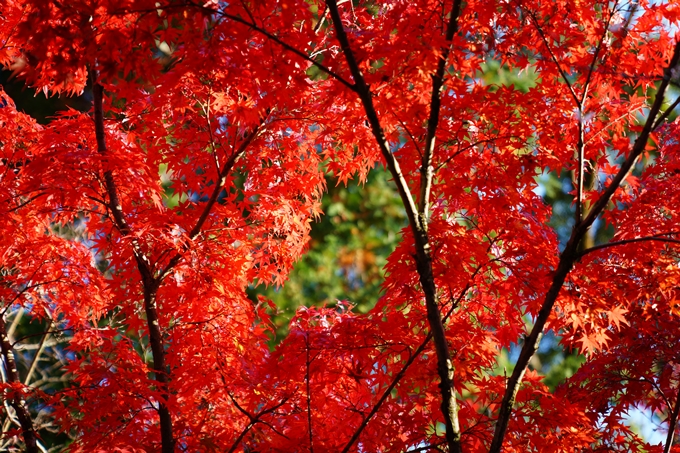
308, 363
657, 238
387, 392
254, 419
554, 57
277, 40
667, 113
472, 145
398, 377
15, 397
598, 49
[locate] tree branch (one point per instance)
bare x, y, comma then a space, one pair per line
276, 39
598, 49
114, 204
308, 362
388, 391
41, 348
666, 113
15, 396
149, 283
567, 259
219, 185
423, 258
672, 423
470, 146
580, 150
426, 170
657, 238
554, 57
398, 377
254, 419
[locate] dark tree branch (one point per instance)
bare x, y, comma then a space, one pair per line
26, 202
207, 10
470, 146
569, 256
254, 419
149, 283
638, 146
423, 254
219, 185
657, 238
16, 399
276, 39
27, 288
114, 204
398, 377
553, 57
426, 169
666, 113
672, 424
308, 362
598, 49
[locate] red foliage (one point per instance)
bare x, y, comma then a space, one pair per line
200, 169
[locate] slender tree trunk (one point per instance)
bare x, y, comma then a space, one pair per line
159, 368
149, 283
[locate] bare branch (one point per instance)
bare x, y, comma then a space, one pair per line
400, 374
388, 391
470, 146
666, 113
308, 362
41, 348
598, 49
254, 419
15, 398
